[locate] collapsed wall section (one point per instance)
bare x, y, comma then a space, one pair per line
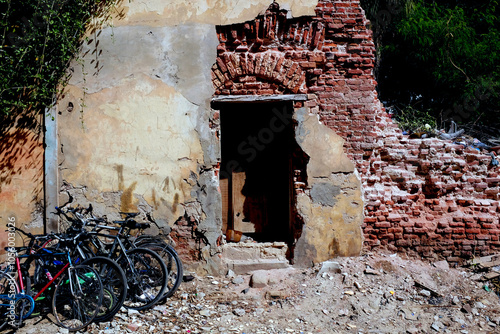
328, 57
432, 197
428, 196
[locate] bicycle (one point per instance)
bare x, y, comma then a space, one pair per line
165, 250
145, 271
84, 217
112, 275
78, 292
154, 243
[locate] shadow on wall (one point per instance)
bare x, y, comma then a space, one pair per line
21, 149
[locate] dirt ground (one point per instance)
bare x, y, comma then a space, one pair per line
373, 293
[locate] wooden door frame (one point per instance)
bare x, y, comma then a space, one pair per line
219, 102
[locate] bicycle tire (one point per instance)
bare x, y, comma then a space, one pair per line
147, 280
7, 285
114, 284
77, 297
173, 263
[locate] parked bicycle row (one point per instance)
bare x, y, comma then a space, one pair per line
88, 271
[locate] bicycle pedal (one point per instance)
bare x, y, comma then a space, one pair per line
34, 315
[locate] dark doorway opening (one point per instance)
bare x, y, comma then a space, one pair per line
256, 176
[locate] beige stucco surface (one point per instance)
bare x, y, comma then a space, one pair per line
134, 121
324, 147
333, 209
214, 12
138, 138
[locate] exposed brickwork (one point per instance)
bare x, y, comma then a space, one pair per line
242, 74
431, 196
187, 240
427, 196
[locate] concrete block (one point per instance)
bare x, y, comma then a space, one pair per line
330, 267
259, 279
242, 267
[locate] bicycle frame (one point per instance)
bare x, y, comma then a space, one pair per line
35, 256
116, 243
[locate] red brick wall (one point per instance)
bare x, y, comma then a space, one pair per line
432, 197
425, 196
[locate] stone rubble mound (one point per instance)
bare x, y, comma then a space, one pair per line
373, 293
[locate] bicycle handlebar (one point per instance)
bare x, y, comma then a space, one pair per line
28, 234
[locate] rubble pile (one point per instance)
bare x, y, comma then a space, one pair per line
374, 293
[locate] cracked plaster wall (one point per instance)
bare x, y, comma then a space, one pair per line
333, 209
134, 123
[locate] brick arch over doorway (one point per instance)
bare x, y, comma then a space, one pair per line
266, 72
330, 57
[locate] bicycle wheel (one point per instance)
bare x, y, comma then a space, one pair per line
8, 286
146, 277
114, 284
77, 297
173, 263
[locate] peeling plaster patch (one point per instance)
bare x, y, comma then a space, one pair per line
332, 224
206, 191
324, 193
193, 210
111, 203
324, 147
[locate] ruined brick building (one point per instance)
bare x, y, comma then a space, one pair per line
239, 121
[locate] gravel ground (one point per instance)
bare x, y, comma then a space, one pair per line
373, 293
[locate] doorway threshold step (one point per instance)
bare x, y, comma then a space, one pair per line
254, 252
242, 267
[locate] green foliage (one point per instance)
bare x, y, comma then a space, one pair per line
411, 119
443, 55
38, 40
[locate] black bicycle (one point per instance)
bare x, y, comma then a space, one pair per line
146, 273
